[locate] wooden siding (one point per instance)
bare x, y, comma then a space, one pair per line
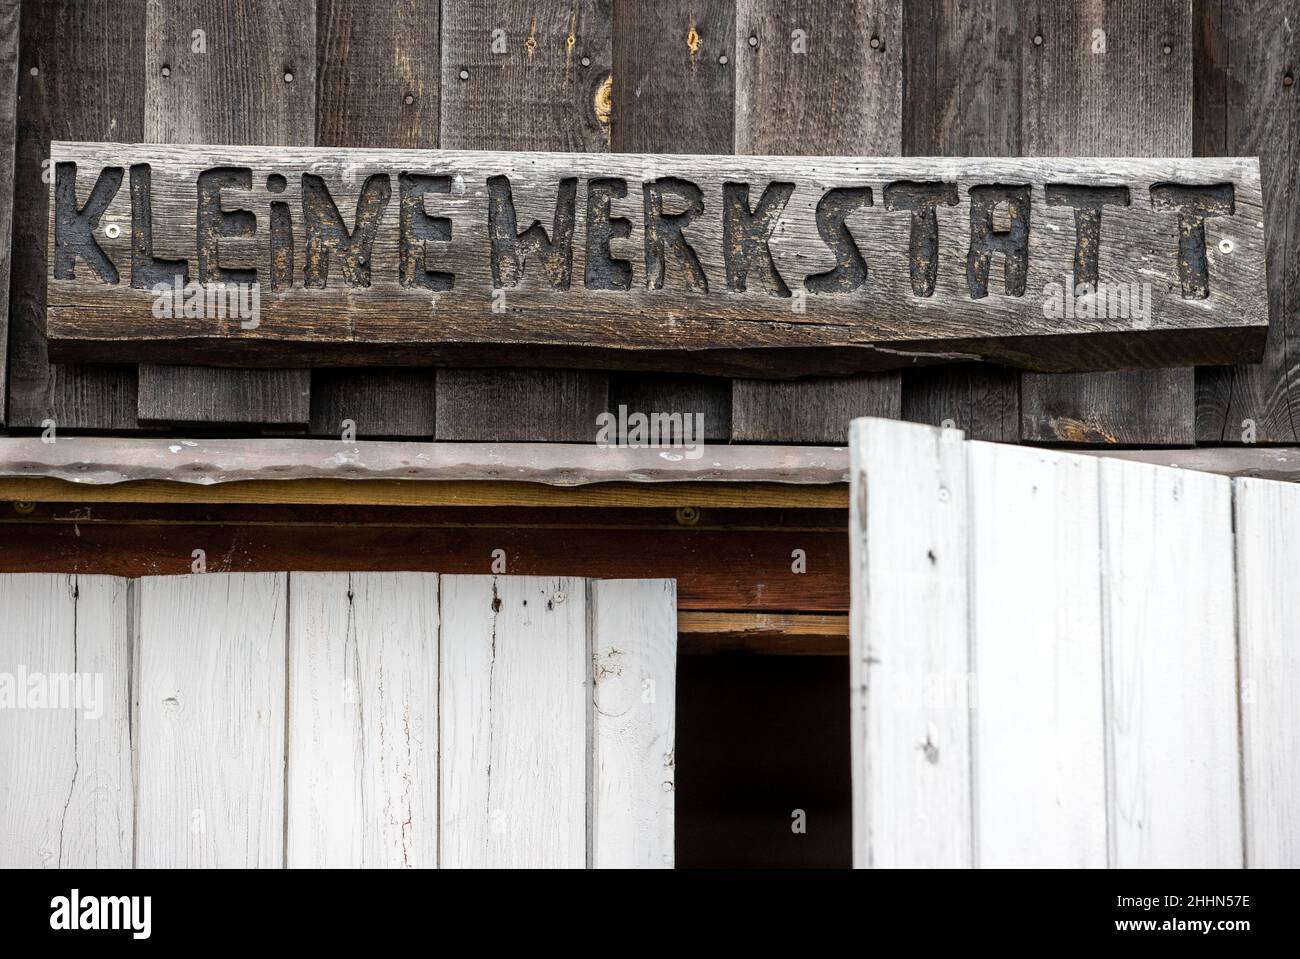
1065, 704
975, 77
337, 719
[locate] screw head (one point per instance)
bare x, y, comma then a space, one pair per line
288, 77
586, 61
753, 41
1038, 39
875, 43
408, 99
1288, 80
166, 70
464, 74
723, 59
1167, 49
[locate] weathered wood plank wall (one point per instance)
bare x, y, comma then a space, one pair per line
80, 71
207, 81
336, 719
987, 77
522, 75
9, 36
1112, 721
376, 86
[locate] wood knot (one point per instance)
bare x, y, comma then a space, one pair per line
604, 100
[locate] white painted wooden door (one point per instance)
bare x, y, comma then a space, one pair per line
1045, 659
335, 719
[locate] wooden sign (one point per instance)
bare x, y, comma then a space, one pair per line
767, 266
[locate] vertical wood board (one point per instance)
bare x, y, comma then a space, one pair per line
634, 707
1036, 652
1268, 611
210, 657
514, 667
909, 664
362, 784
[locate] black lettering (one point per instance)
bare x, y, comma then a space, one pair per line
147, 270
1194, 205
1012, 243
326, 232
747, 236
511, 250
604, 271
663, 234
74, 226
922, 199
418, 227
1087, 202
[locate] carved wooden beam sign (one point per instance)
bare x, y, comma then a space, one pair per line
762, 266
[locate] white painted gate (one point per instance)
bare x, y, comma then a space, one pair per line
335, 719
1065, 660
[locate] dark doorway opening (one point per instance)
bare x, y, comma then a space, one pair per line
759, 738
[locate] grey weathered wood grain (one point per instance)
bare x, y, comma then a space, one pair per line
1246, 50
708, 396
882, 325
81, 75
254, 82
520, 405
525, 76
380, 403
672, 93
9, 30
1133, 98
93, 460
813, 410
377, 86
817, 77
961, 97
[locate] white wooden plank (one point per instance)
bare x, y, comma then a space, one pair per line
1268, 615
513, 698
1168, 614
65, 742
363, 720
634, 660
1036, 651
211, 665
909, 677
